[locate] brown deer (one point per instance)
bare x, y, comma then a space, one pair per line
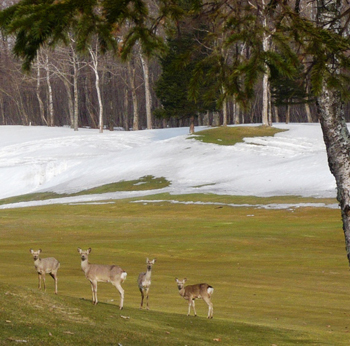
144, 281
45, 266
102, 273
192, 292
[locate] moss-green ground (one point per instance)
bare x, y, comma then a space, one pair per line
280, 276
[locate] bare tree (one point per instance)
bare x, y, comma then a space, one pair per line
94, 54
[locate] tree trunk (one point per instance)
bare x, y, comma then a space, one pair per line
69, 101
75, 89
236, 112
126, 109
277, 118
49, 88
145, 68
131, 70
308, 113
41, 103
265, 86
337, 139
288, 114
192, 125
335, 132
94, 66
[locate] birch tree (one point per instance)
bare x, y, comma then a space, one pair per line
331, 115
131, 76
95, 67
38, 88
45, 63
148, 97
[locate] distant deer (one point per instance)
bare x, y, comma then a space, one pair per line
102, 273
44, 266
144, 281
192, 292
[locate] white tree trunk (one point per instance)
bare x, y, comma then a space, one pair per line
265, 86
49, 88
335, 132
131, 70
148, 97
75, 63
41, 103
94, 66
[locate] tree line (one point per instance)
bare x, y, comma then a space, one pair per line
70, 86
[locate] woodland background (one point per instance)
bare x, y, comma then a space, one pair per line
63, 82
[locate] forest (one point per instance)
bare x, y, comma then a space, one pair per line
184, 71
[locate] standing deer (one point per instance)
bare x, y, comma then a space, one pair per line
44, 266
144, 281
192, 292
102, 273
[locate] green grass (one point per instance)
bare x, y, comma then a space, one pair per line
227, 135
144, 183
237, 200
280, 276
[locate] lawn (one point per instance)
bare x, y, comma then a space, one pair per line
280, 276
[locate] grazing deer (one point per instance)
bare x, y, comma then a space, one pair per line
102, 273
44, 266
144, 281
192, 292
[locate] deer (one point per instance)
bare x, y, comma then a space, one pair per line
45, 266
192, 292
102, 273
144, 281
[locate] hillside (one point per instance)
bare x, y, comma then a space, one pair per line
59, 160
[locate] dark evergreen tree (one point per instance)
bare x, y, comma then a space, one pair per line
184, 56
289, 90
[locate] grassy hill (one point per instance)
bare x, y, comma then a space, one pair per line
280, 276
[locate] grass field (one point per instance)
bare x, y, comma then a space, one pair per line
280, 276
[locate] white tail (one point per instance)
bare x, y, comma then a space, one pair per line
44, 266
192, 292
102, 273
144, 281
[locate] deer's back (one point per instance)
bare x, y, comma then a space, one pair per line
196, 291
102, 272
47, 265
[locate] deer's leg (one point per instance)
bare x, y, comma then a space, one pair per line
189, 307
39, 281
54, 276
94, 291
194, 307
147, 290
142, 297
210, 306
43, 277
121, 291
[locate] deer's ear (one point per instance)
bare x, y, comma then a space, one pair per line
40, 251
185, 279
147, 260
176, 279
89, 250
79, 249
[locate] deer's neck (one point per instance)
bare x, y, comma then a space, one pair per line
37, 262
182, 291
148, 274
85, 265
